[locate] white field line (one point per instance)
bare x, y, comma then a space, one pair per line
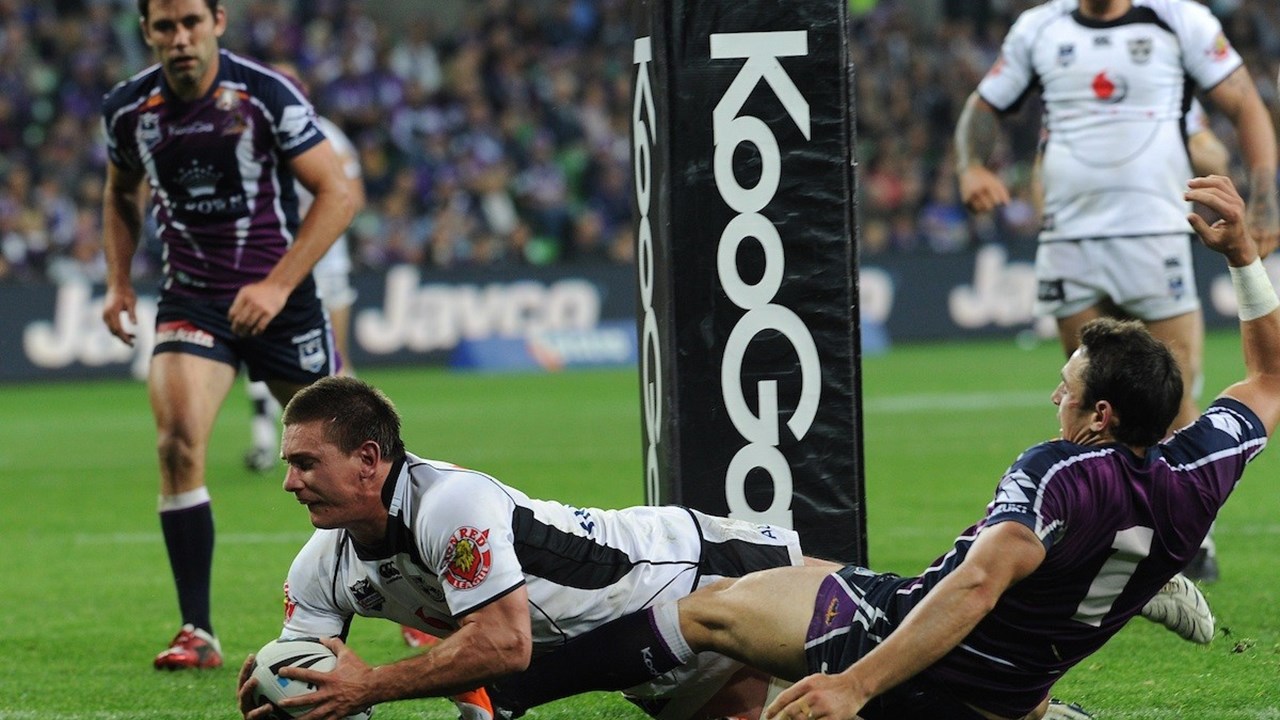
147, 538
931, 402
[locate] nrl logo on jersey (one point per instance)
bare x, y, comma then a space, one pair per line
149, 129
1140, 50
468, 559
367, 597
1066, 54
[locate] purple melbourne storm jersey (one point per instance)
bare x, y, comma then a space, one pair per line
222, 191
1115, 528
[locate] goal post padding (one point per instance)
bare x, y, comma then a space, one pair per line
743, 154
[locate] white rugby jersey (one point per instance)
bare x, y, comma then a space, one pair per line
458, 539
1115, 97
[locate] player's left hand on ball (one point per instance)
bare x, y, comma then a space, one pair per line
339, 693
245, 685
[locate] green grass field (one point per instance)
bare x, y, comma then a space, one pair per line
86, 598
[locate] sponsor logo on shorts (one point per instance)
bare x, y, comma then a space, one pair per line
311, 351
468, 558
833, 609
1051, 291
1177, 279
183, 331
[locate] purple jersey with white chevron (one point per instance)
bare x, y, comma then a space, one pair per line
1115, 528
222, 191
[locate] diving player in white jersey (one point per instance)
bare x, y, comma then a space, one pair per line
499, 576
1115, 77
332, 274
504, 578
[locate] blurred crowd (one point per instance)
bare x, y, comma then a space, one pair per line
502, 136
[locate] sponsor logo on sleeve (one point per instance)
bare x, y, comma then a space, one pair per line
1221, 49
290, 605
468, 559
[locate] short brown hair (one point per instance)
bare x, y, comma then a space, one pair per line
354, 412
1134, 372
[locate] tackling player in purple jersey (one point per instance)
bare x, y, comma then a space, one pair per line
219, 140
1081, 533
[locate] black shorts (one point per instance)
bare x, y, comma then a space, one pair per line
855, 610
296, 347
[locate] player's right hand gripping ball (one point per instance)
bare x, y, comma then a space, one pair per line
306, 653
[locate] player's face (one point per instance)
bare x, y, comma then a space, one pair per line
322, 477
184, 36
1073, 417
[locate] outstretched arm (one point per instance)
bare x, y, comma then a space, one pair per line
1002, 555
977, 132
1259, 318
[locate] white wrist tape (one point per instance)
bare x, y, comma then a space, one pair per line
1254, 294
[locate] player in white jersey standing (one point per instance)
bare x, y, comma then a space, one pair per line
499, 576
1115, 77
333, 282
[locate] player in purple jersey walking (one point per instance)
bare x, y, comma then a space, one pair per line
219, 139
1082, 532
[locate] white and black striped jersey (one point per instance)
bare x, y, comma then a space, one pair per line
458, 539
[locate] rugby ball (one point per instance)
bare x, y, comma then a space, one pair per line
298, 652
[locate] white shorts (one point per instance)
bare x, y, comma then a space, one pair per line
1150, 278
333, 276
727, 552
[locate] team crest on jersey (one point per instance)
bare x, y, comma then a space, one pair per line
1066, 54
367, 597
227, 99
468, 559
1140, 50
149, 129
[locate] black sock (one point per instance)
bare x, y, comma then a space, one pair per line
188, 535
615, 656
